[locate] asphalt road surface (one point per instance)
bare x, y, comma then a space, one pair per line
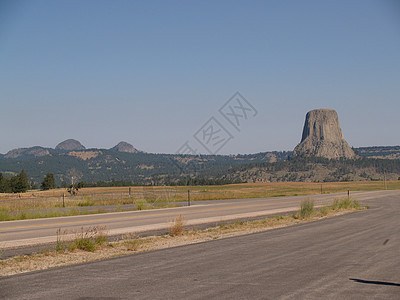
353, 256
26, 233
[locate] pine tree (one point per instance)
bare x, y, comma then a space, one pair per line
23, 182
19, 183
48, 182
2, 184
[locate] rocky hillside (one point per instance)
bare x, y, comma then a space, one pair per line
28, 152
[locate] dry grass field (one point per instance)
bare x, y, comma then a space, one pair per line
214, 192
41, 204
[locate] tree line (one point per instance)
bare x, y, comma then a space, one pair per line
20, 183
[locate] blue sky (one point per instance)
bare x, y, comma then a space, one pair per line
153, 72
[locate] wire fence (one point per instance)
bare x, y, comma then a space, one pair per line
138, 198
160, 198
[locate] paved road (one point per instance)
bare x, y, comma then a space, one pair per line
354, 256
32, 232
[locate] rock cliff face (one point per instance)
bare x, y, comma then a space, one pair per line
323, 137
70, 145
124, 147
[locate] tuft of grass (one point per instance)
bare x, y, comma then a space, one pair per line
88, 239
345, 203
306, 209
100, 239
61, 244
177, 226
132, 244
85, 244
141, 205
324, 211
86, 203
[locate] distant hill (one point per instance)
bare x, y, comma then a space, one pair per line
28, 152
93, 165
65, 146
124, 147
315, 170
69, 145
124, 162
383, 152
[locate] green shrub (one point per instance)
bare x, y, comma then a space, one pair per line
306, 209
87, 239
140, 205
345, 203
85, 244
100, 239
324, 210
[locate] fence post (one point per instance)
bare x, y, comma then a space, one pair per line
130, 192
348, 194
63, 199
188, 198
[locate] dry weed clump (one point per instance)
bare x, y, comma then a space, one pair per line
87, 239
177, 226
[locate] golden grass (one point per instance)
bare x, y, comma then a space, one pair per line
177, 226
162, 196
268, 189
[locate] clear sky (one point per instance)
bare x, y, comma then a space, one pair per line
152, 73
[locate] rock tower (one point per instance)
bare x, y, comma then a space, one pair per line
322, 137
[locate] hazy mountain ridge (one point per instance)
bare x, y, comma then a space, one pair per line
93, 165
63, 147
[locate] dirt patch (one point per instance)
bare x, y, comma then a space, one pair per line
85, 155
